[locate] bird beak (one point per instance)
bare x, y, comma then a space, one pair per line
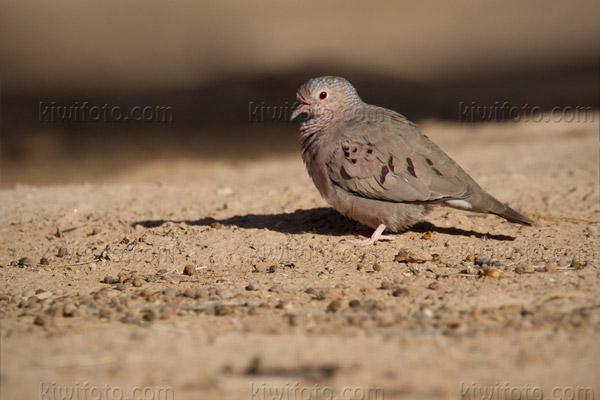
301, 109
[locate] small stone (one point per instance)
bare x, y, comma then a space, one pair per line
400, 292
529, 269
137, 282
62, 251
354, 303
122, 277
471, 257
386, 285
149, 315
40, 321
216, 225
519, 270
481, 261
250, 287
492, 272
44, 261
43, 295
434, 286
282, 304
435, 257
25, 261
223, 310
104, 313
151, 278
120, 287
376, 267
577, 264
334, 306
427, 235
402, 256
189, 270
109, 280
69, 309
161, 272
272, 269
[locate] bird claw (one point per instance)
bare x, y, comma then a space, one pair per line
377, 235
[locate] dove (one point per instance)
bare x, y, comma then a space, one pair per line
374, 166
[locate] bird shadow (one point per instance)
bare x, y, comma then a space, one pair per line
322, 221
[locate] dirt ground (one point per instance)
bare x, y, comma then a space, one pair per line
197, 279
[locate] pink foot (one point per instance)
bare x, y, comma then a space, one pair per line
377, 235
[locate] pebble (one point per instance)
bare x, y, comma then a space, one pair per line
400, 292
109, 280
25, 261
120, 287
354, 303
62, 251
492, 272
434, 286
44, 295
577, 264
223, 310
137, 282
149, 315
104, 313
161, 272
272, 269
250, 287
376, 267
151, 278
40, 321
122, 277
334, 306
386, 285
189, 270
69, 309
216, 225
44, 261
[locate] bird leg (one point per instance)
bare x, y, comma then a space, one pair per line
377, 235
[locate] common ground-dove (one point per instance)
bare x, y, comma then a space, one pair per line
376, 167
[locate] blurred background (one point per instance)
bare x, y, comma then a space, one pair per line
211, 62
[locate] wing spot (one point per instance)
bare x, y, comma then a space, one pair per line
410, 167
391, 163
354, 149
438, 173
429, 161
369, 151
346, 154
345, 147
353, 160
384, 172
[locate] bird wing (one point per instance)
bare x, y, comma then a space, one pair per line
392, 160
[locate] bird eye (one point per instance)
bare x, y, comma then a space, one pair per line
323, 95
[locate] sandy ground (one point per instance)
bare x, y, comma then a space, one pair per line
275, 303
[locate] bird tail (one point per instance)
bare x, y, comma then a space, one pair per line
514, 216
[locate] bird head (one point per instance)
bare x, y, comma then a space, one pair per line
325, 96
